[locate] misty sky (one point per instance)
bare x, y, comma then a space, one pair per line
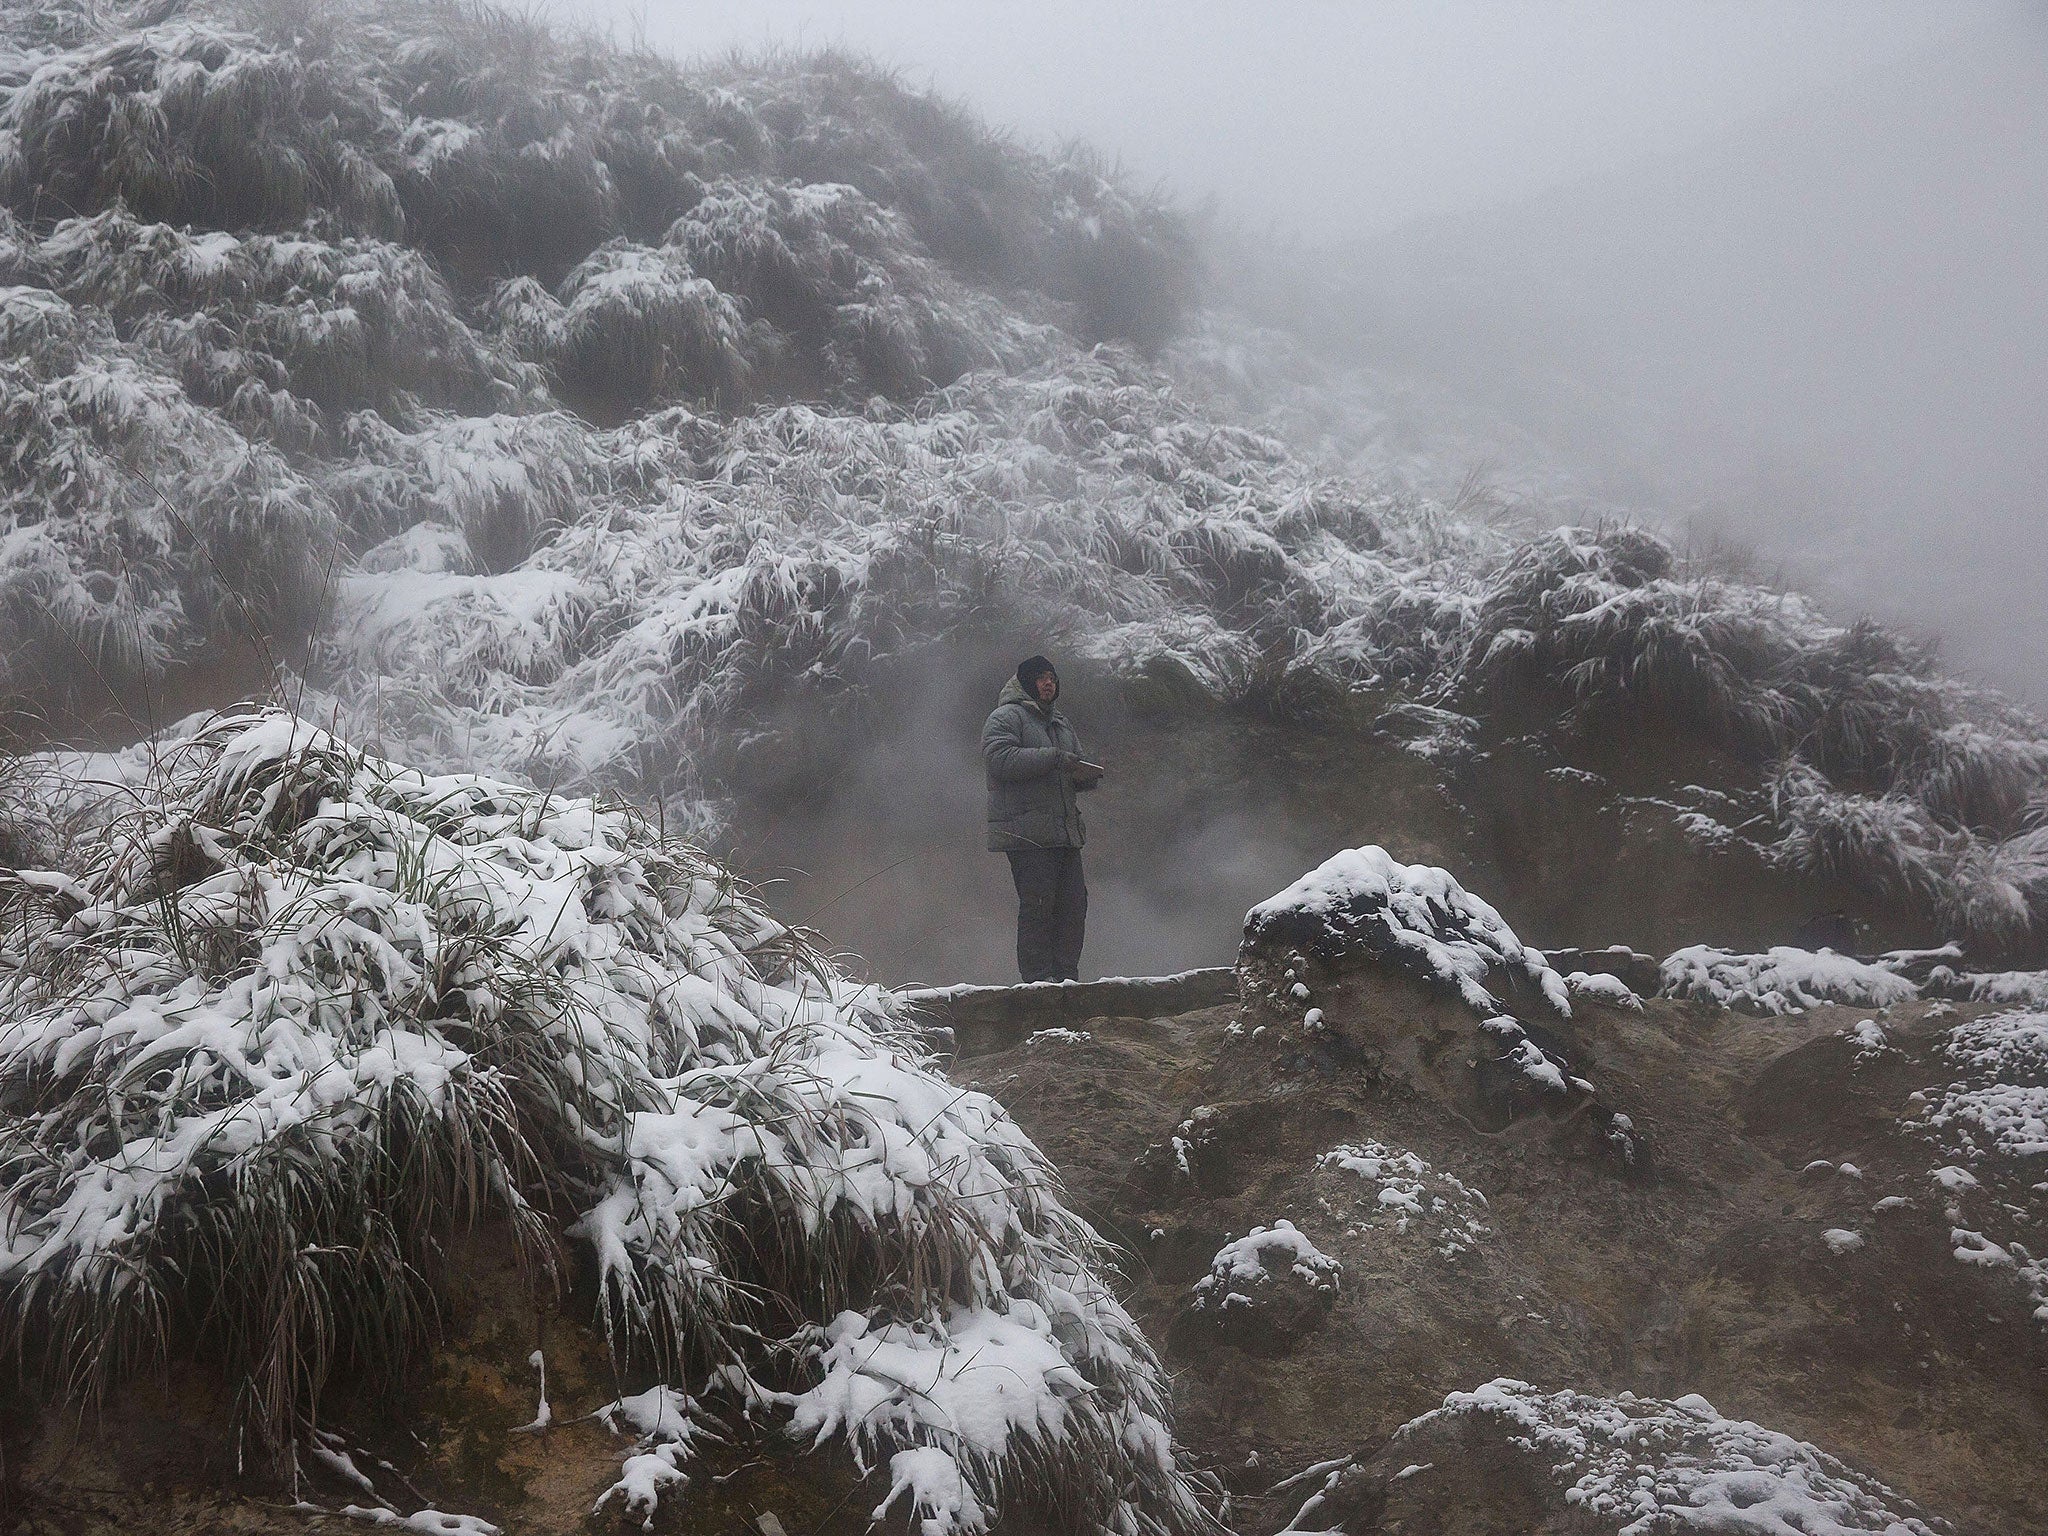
1771, 271
1343, 118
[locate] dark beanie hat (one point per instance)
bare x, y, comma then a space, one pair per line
1031, 669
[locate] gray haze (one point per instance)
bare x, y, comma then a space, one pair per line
1821, 335
890, 846
1774, 275
1770, 273
1335, 119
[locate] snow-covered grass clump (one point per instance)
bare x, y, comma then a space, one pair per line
1781, 980
2006, 987
302, 1010
1644, 1466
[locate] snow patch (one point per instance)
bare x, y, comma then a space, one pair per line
1781, 980
1407, 1194
1655, 1466
1059, 1035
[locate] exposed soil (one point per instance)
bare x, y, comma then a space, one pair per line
1700, 1268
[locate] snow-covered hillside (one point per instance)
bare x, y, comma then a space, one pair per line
559, 412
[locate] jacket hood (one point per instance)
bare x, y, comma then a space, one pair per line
1013, 693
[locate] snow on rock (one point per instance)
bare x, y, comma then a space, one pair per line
425, 1522
1413, 916
1419, 920
1407, 1194
1638, 1466
1521, 1057
2000, 1107
1679, 1465
1992, 1119
1603, 988
1870, 1040
1268, 1287
1253, 1260
2029, 988
1782, 980
1059, 1035
293, 958
2029, 1270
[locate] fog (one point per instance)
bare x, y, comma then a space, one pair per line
1773, 276
1822, 335
888, 848
1770, 274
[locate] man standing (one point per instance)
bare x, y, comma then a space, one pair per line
1035, 771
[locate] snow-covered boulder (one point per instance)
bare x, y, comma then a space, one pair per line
1267, 1289
1417, 918
1361, 912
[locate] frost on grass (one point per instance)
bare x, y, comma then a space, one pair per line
1406, 1195
1639, 1466
304, 1009
1782, 980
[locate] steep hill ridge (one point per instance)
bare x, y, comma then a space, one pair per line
536, 407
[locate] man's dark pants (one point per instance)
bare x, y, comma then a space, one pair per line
1052, 912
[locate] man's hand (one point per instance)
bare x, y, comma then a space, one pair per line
1085, 775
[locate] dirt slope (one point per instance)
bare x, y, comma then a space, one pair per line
1700, 1267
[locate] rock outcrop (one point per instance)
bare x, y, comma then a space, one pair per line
1822, 1222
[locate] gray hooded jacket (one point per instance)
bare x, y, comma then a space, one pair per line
1031, 797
